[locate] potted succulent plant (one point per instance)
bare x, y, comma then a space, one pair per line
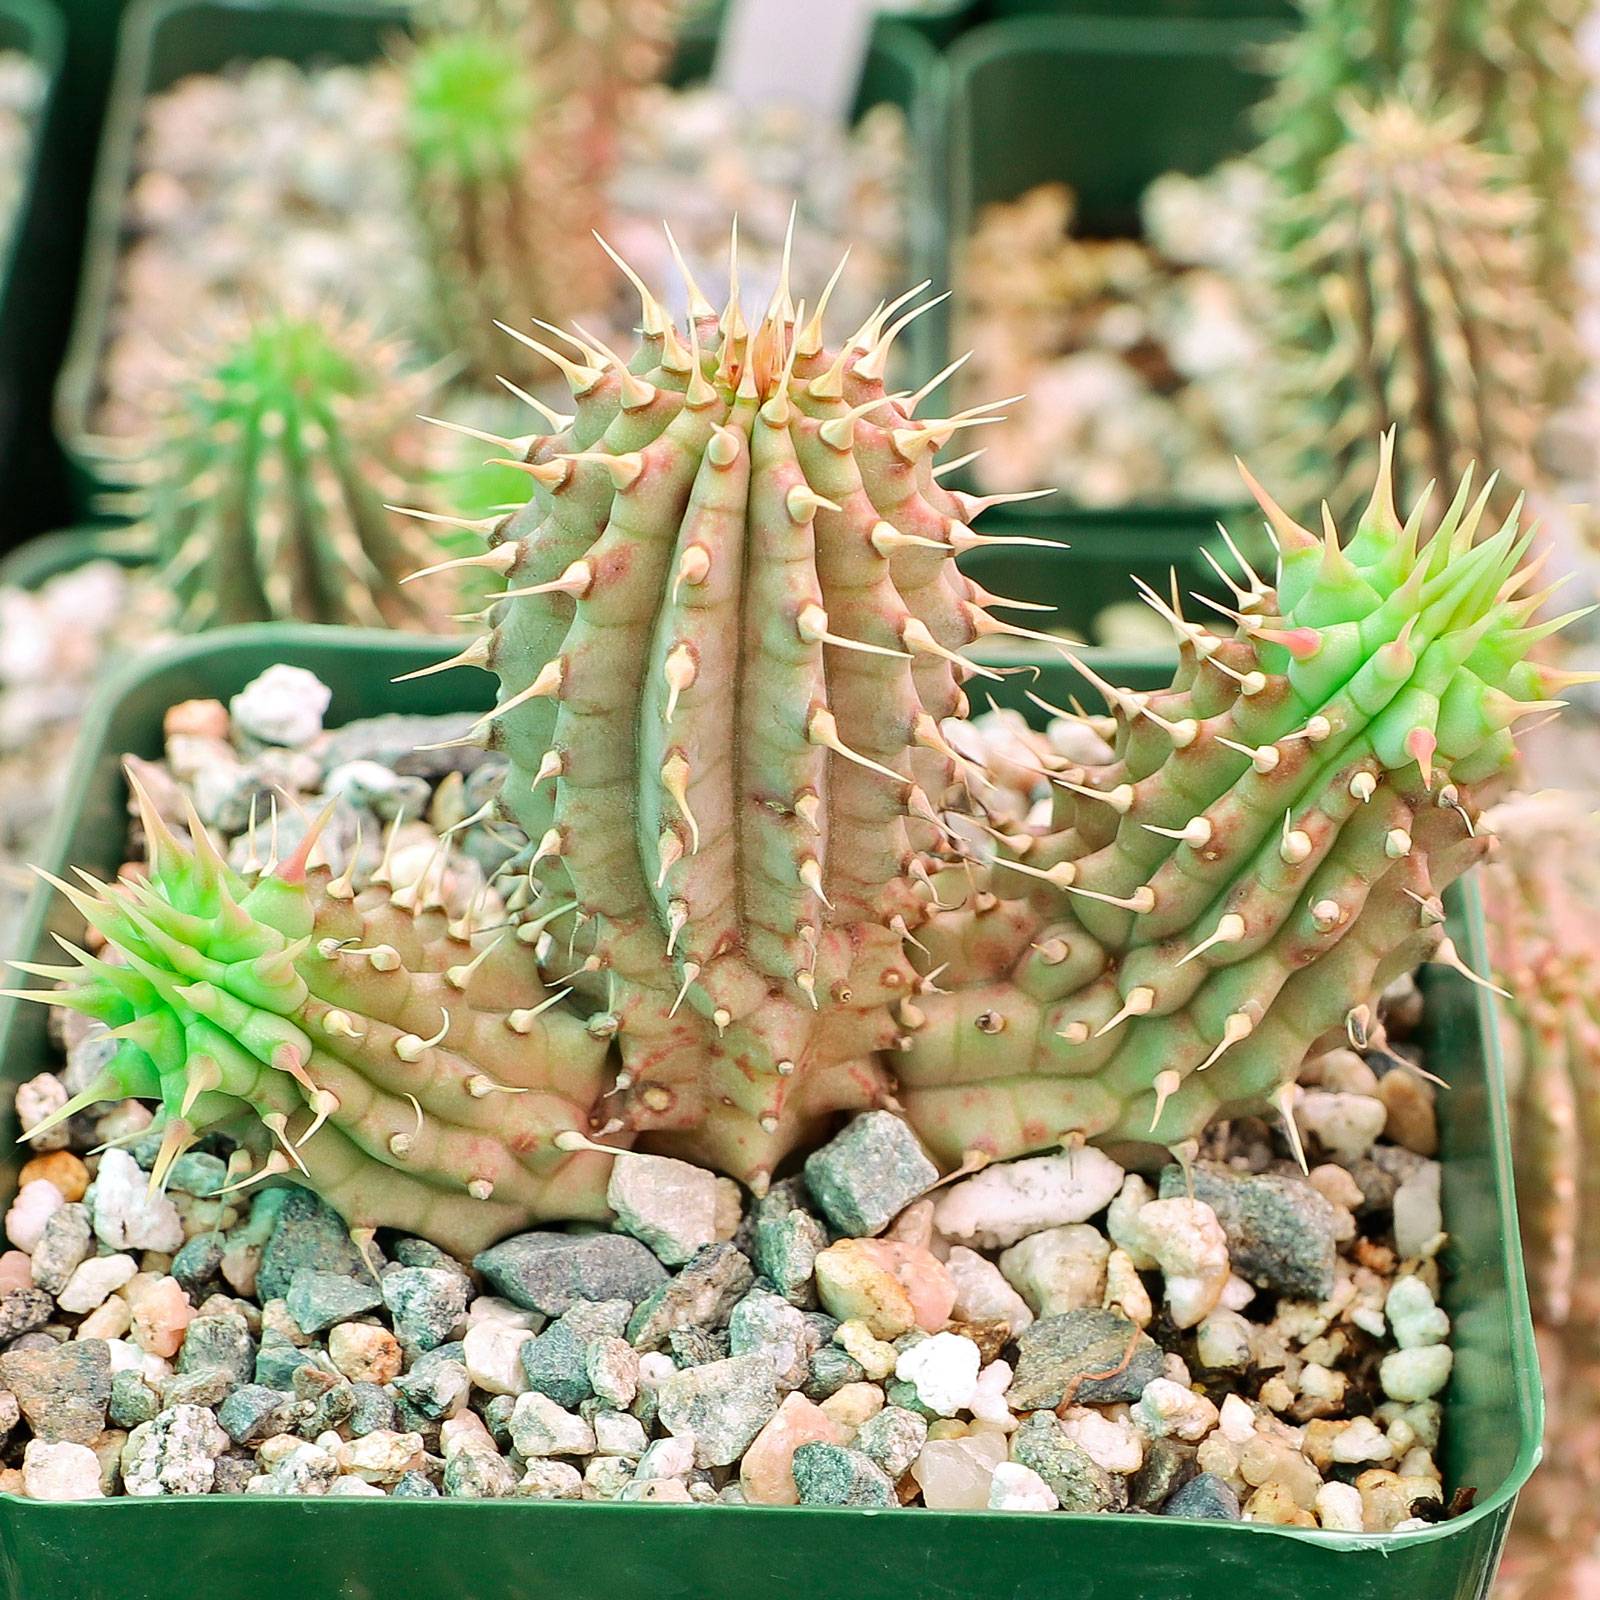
770, 875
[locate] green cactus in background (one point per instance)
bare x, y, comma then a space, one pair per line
264, 488
1408, 300
511, 136
1511, 66
731, 634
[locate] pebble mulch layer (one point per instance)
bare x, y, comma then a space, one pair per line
1240, 1340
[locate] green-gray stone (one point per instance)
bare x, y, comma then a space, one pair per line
1080, 1482
132, 1400
426, 1304
318, 1299
221, 1344
1206, 1496
306, 1233
831, 1370
867, 1175
198, 1263
831, 1475
893, 1438
414, 1486
198, 1174
786, 1255
1054, 1351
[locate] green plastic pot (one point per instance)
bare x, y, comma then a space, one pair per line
164, 40
322, 1549
1104, 104
33, 564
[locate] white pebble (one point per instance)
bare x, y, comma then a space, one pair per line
1361, 1440
127, 1216
1122, 1220
1418, 1215
491, 1308
93, 1280
1416, 1374
1236, 1420
1411, 1311
655, 1367
1059, 1269
944, 1371
616, 1433
1222, 1342
1339, 1507
1111, 1442
1125, 1290
62, 1471
38, 1098
1003, 1203
672, 1457
1347, 1124
989, 1397
1191, 1249
1167, 1409
1015, 1487
34, 1206
284, 705
492, 1352
669, 1205
539, 1427
982, 1293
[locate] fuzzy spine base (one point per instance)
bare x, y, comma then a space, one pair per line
728, 645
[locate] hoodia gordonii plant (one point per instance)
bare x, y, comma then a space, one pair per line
731, 630
264, 485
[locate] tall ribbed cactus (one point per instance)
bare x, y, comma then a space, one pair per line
264, 487
731, 629
1409, 301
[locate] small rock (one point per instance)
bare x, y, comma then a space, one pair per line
666, 1491
1204, 1496
1057, 1350
493, 1356
436, 1383
132, 1400
958, 1474
1339, 1507
22, 1310
198, 1262
943, 1370
1168, 1465
868, 1173
833, 1475
365, 1353
1078, 1481
539, 1427
41, 1097
668, 1205
1281, 1231
1418, 1215
479, 1472
982, 1293
371, 1410
427, 1304
1170, 1408
548, 1272
1059, 1269
765, 1323
161, 1313
60, 1167
766, 1471
667, 1458
1275, 1505
556, 1362
1188, 1243
1412, 1314
831, 1370
1003, 1203
724, 1404
1110, 1441
66, 1240
318, 1299
550, 1480
306, 1233
1406, 1375
254, 1412
62, 1391
894, 1438
221, 1344
1412, 1120
852, 1405
1346, 1125
618, 1434
382, 1456
414, 1486
786, 1250
127, 1216
703, 1295
694, 1347
1015, 1487
175, 1453
1222, 1341
611, 1366
60, 1471
284, 706
33, 1207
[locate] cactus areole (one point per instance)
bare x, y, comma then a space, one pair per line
731, 629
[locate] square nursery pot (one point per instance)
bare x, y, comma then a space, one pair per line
163, 40
1105, 104
330, 1549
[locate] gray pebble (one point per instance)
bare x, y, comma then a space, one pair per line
207, 1388
253, 1413
63, 1391
372, 1410
22, 1310
702, 1295
786, 1251
476, 1473
556, 1362
864, 1177
436, 1382
1080, 1482
1054, 1350
414, 1486
198, 1263
724, 1404
894, 1438
611, 1365
410, 1252
221, 1344
318, 1299
831, 1370
426, 1304
1281, 1232
132, 1400
307, 1233
694, 1347
548, 1272
765, 1323
198, 1174
65, 1243
175, 1453
1169, 1463
1205, 1495
831, 1475
278, 1360
232, 1471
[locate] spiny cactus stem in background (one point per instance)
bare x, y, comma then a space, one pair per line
768, 877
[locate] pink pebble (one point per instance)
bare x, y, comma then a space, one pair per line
34, 1206
922, 1274
767, 1472
16, 1271
161, 1314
